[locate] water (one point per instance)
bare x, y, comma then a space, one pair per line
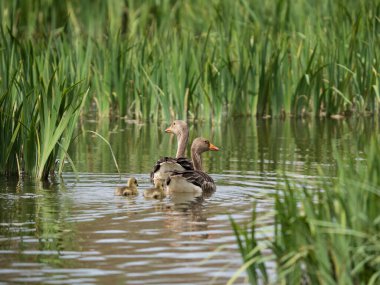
74, 230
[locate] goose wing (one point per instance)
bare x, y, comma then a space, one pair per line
181, 161
196, 177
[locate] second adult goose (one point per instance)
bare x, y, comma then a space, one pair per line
165, 165
195, 180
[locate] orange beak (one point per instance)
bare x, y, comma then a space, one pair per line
168, 130
213, 147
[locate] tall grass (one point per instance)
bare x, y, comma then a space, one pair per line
163, 59
327, 234
39, 106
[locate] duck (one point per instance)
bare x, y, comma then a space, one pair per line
130, 189
196, 180
166, 164
157, 192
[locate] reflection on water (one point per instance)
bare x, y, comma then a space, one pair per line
77, 231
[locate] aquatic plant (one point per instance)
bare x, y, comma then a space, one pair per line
39, 107
174, 59
326, 234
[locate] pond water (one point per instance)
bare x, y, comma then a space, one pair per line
74, 230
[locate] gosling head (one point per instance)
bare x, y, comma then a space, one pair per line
132, 182
159, 184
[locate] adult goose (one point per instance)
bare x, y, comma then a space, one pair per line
195, 181
165, 165
130, 189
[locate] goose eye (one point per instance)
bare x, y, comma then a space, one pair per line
207, 142
174, 124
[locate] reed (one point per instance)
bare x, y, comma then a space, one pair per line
146, 60
325, 234
39, 107
251, 251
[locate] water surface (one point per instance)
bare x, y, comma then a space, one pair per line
74, 230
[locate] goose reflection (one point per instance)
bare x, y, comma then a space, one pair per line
187, 215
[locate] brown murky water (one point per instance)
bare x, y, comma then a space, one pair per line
75, 231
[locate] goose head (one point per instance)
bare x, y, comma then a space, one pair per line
199, 146
178, 127
181, 130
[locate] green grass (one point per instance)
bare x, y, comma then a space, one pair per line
325, 234
38, 109
174, 59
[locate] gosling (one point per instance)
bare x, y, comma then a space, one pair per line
130, 189
157, 192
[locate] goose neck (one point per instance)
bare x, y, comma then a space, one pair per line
197, 160
182, 142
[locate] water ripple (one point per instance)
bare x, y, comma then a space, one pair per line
136, 240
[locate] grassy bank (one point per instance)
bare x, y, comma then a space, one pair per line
325, 234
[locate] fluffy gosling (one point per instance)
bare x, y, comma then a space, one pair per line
157, 192
130, 189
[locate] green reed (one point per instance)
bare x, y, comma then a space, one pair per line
159, 60
325, 234
39, 107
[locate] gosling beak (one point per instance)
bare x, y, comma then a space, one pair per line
213, 147
168, 130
